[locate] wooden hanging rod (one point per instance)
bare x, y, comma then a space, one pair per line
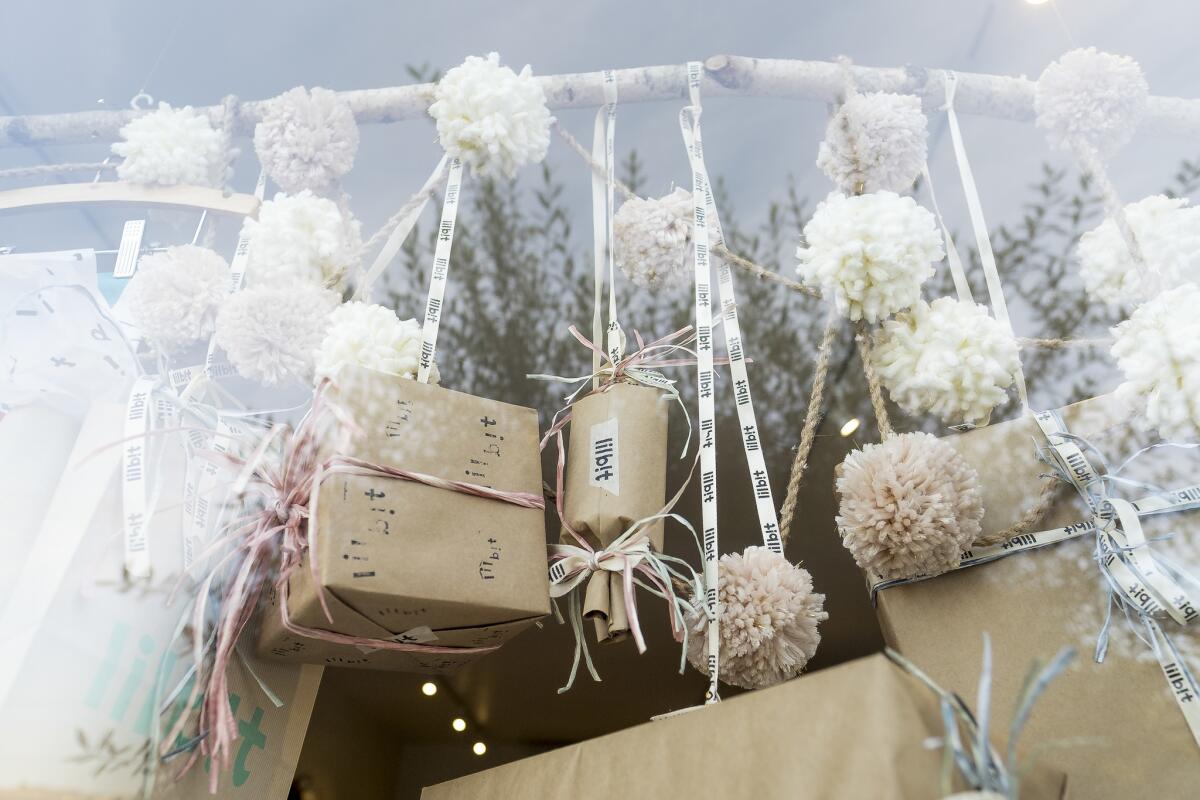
985, 95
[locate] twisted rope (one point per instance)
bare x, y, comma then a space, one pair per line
882, 418
1032, 516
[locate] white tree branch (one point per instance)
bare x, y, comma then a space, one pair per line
985, 95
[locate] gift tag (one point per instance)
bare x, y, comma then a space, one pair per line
131, 245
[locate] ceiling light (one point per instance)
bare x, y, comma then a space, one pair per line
851, 426
479, 748
428, 688
459, 724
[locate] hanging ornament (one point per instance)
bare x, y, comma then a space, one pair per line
371, 336
1168, 232
1158, 351
301, 238
949, 358
870, 252
175, 294
768, 620
1091, 98
271, 333
909, 506
492, 118
172, 146
653, 239
306, 139
875, 142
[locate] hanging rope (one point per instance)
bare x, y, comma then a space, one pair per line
882, 419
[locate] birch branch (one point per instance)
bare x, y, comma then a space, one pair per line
822, 81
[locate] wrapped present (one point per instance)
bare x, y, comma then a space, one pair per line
1116, 724
856, 730
422, 547
616, 475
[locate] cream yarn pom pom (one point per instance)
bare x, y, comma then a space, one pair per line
175, 294
1158, 350
870, 252
492, 118
652, 238
302, 238
1167, 231
271, 333
909, 506
769, 618
374, 337
1091, 97
306, 139
875, 141
172, 146
947, 357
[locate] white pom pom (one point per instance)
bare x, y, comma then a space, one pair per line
1168, 233
1091, 97
875, 141
374, 337
175, 294
653, 237
173, 146
1158, 350
949, 358
492, 118
870, 253
271, 333
769, 618
303, 238
307, 140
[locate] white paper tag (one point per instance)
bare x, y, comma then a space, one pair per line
131, 245
604, 465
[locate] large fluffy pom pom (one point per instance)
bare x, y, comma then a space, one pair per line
492, 118
271, 333
1158, 350
1168, 233
652, 238
171, 146
175, 294
307, 140
871, 253
949, 358
374, 337
1091, 97
769, 618
909, 506
302, 238
875, 142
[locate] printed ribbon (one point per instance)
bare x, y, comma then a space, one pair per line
244, 552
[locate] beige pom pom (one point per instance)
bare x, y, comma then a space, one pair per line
909, 506
769, 618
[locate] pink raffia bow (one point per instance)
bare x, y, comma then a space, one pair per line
285, 525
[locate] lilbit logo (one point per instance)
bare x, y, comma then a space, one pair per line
127, 673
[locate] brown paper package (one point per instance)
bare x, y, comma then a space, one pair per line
398, 557
616, 475
1034, 603
853, 731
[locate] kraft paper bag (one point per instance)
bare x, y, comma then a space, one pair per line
858, 730
1122, 734
616, 475
411, 562
83, 646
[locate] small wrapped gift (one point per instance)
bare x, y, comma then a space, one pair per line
414, 532
1115, 726
616, 475
857, 730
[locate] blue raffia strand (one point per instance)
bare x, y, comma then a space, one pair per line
978, 761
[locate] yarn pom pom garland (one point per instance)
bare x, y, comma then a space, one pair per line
909, 506
306, 139
769, 618
875, 142
652, 238
1092, 98
175, 294
303, 238
271, 333
170, 146
371, 336
870, 252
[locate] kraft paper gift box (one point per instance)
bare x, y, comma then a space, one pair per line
83, 649
616, 475
858, 730
1034, 602
410, 562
